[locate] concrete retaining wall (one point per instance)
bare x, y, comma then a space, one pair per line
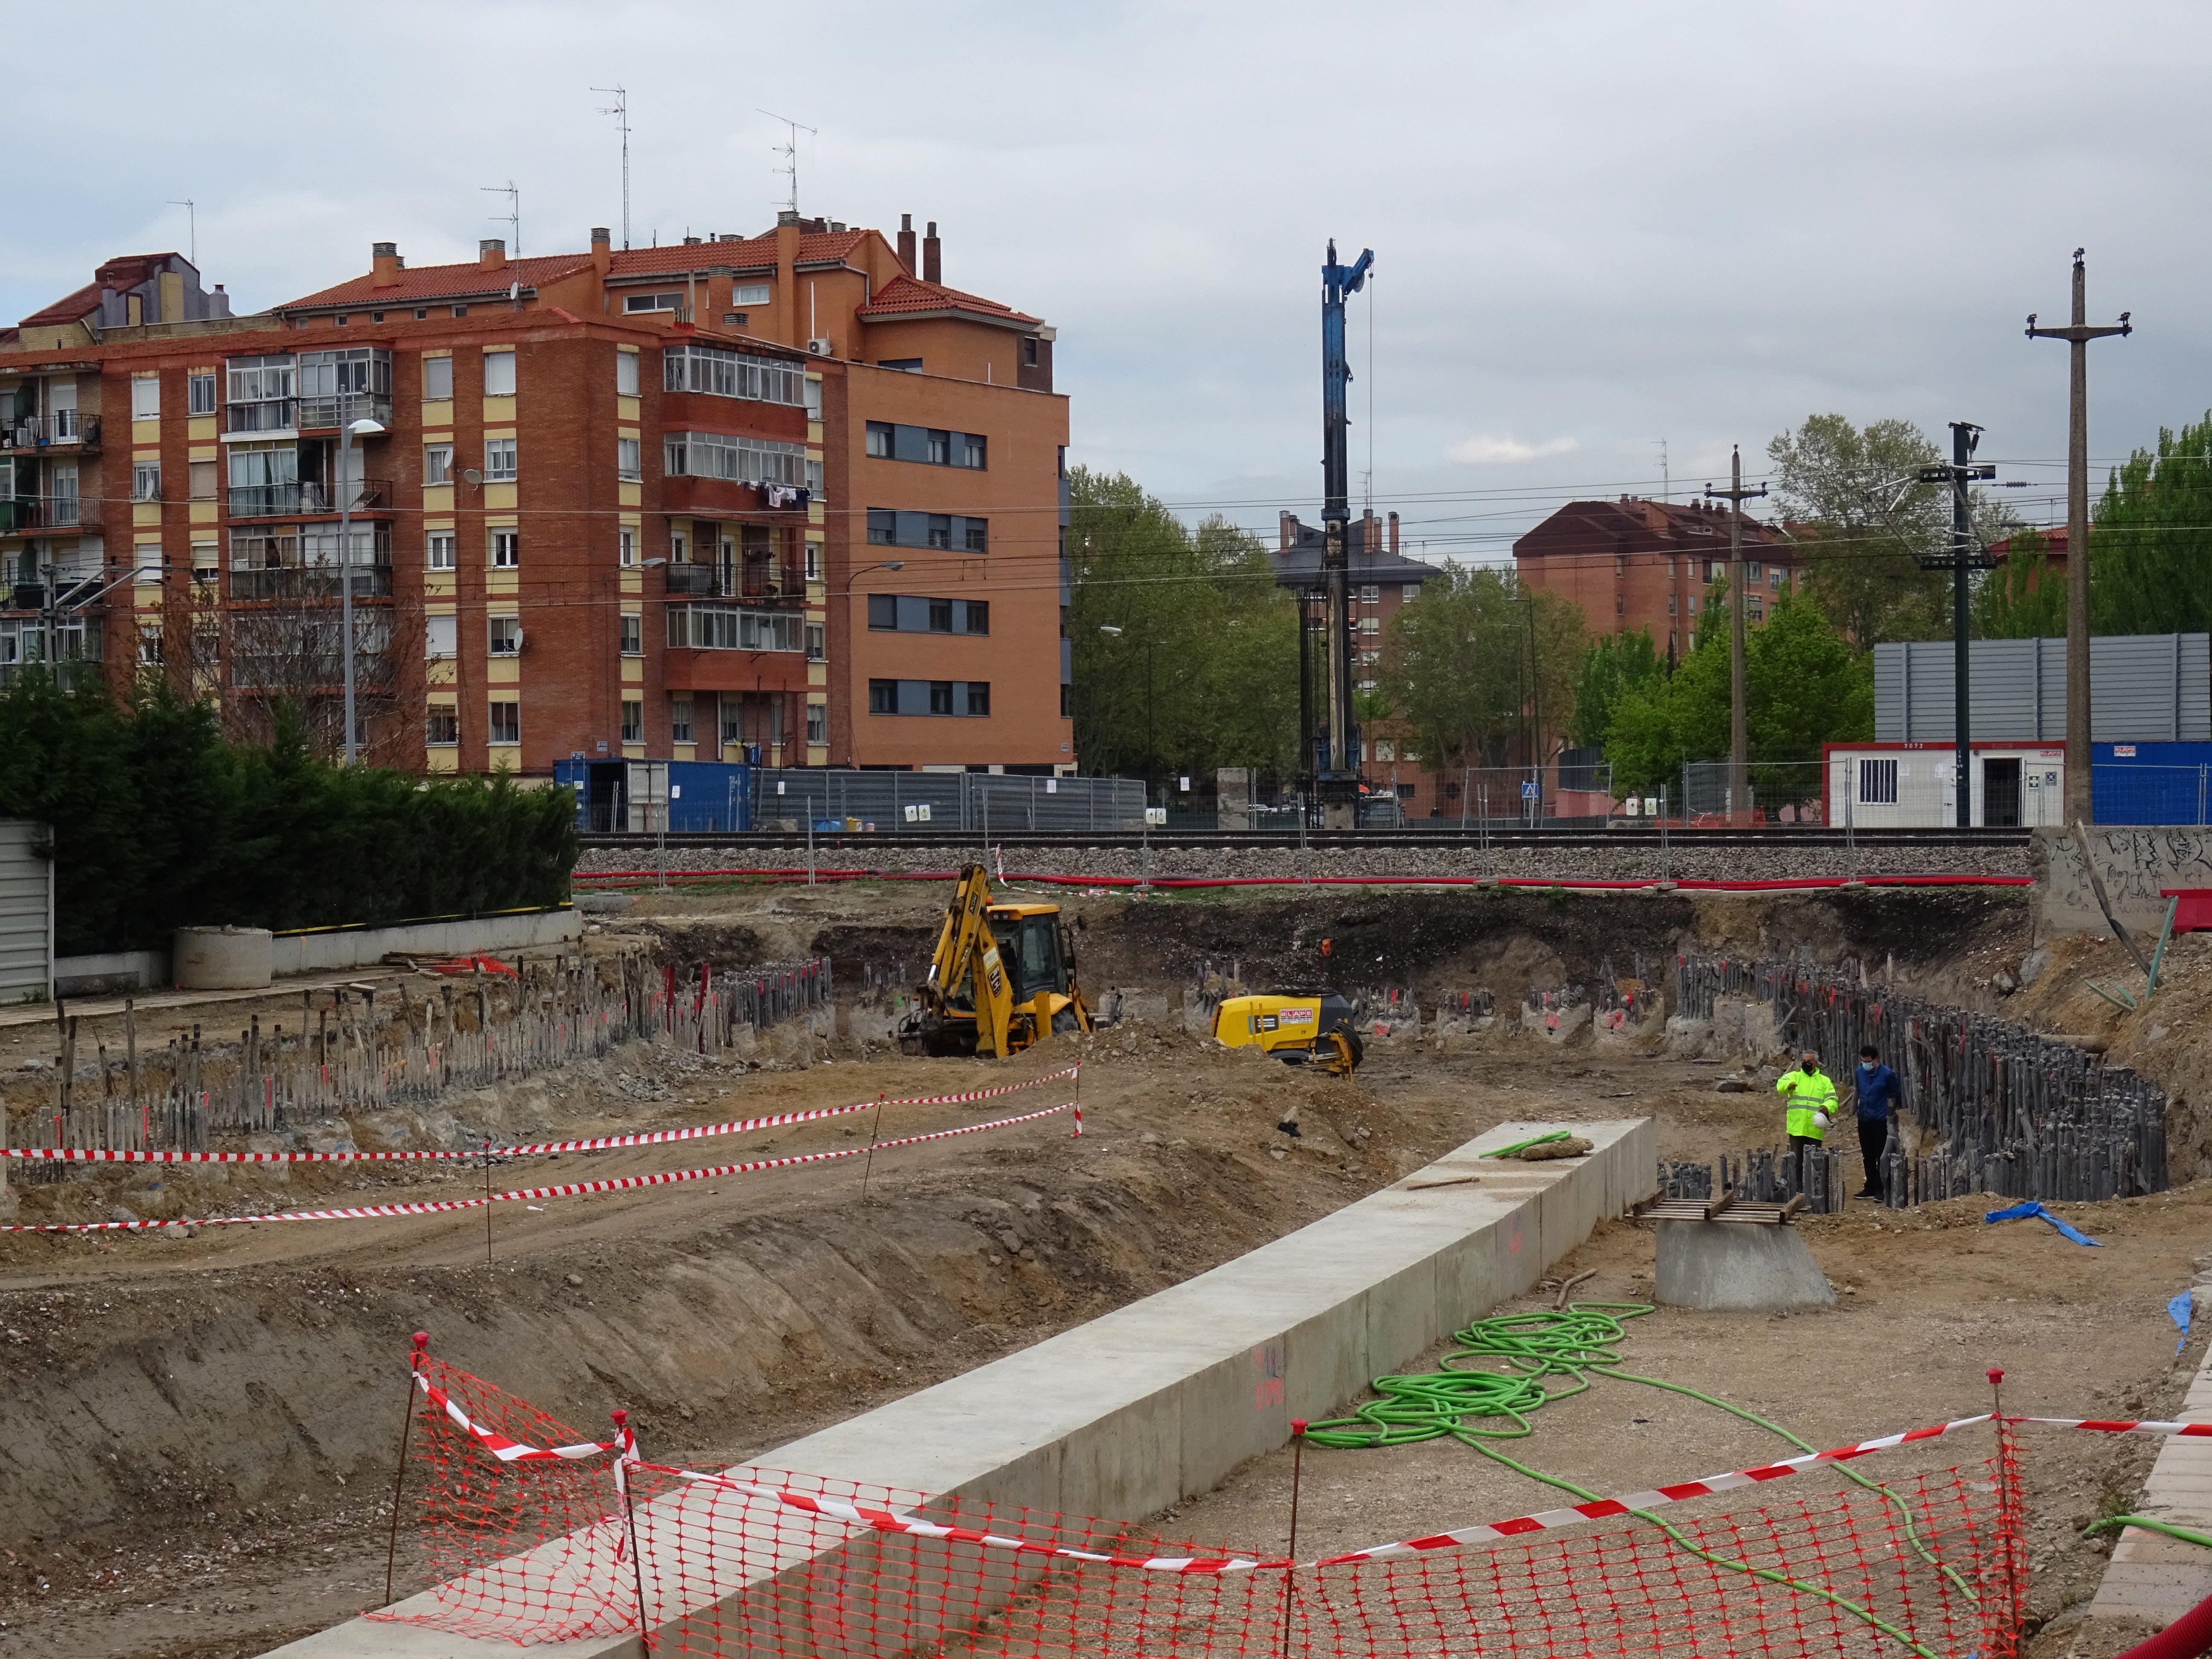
2133, 863
116, 971
325, 950
1155, 1402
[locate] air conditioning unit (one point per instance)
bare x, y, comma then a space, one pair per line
819, 348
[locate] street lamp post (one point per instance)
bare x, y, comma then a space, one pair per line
348, 431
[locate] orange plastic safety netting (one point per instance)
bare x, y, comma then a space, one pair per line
533, 1535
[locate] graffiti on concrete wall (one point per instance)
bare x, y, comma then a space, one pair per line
2136, 865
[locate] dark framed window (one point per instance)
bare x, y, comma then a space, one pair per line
879, 440
940, 529
940, 697
883, 697
979, 616
882, 611
969, 452
883, 526
445, 726
940, 448
1028, 352
978, 535
1067, 706
979, 697
940, 616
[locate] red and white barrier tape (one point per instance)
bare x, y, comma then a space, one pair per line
513, 1451
604, 1143
1544, 1520
624, 1183
2101, 1425
889, 1520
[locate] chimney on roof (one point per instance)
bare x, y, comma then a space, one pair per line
906, 243
1394, 534
383, 265
690, 241
491, 253
932, 256
602, 249
1287, 528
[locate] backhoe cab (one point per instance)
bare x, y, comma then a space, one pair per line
1002, 976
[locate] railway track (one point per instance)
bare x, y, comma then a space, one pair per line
1774, 838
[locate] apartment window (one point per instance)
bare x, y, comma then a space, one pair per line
1670, 605
1619, 564
941, 448
732, 724
1067, 703
150, 644
748, 293
1754, 608
1371, 624
63, 500
629, 460
1672, 573
634, 303
940, 697
506, 636
1620, 605
441, 636
146, 480
201, 393
1370, 595
883, 528
1028, 352
1693, 605
940, 616
1878, 782
907, 365
742, 460
204, 562
1409, 593
728, 373
437, 464
940, 529
679, 720
814, 562
146, 398
461, 310
1751, 572
442, 727
633, 635
499, 375
499, 459
978, 535
506, 549
420, 313
979, 697
633, 722
1774, 579
200, 479
626, 375
816, 642
626, 543
676, 545
818, 722
968, 450
814, 397
882, 611
979, 617
506, 722
437, 378
882, 696
880, 438
440, 549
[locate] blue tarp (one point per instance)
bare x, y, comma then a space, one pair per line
2022, 1212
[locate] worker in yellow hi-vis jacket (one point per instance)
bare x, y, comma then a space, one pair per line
1811, 1094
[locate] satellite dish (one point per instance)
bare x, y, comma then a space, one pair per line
472, 475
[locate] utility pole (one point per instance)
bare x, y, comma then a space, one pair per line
1735, 495
2078, 336
1966, 555
1339, 784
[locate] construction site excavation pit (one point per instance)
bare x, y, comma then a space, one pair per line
198, 1434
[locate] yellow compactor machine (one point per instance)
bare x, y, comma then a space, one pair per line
1300, 1030
1003, 976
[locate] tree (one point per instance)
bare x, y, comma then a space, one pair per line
2024, 597
1455, 667
1200, 670
1862, 528
2150, 547
1804, 686
1614, 667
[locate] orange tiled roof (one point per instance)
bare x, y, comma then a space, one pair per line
904, 295
444, 282
68, 309
752, 250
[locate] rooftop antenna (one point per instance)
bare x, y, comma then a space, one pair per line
1666, 479
621, 113
789, 151
513, 215
192, 229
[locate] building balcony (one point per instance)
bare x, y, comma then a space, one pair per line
307, 583
771, 586
263, 414
329, 413
49, 514
77, 434
289, 500
70, 673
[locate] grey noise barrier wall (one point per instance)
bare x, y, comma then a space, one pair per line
1127, 1414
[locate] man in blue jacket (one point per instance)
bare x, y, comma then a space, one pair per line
1878, 1099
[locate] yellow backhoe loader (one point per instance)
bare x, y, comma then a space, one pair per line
1003, 976
1308, 1030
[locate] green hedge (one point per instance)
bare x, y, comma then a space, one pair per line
159, 821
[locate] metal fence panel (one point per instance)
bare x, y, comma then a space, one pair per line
965, 801
2143, 687
27, 913
2170, 795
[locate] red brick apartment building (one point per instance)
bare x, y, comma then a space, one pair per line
786, 492
1636, 563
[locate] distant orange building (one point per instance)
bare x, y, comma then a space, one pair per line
788, 496
1635, 564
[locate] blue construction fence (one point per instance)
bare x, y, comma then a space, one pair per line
702, 796
2151, 783
615, 796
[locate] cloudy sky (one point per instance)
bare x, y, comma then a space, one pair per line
1596, 226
